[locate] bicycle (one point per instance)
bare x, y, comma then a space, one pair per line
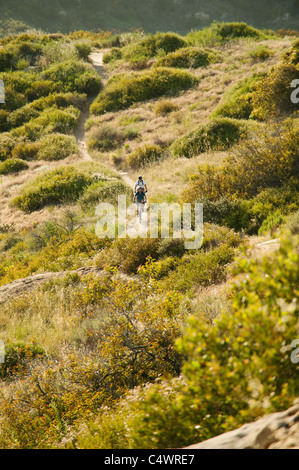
140, 210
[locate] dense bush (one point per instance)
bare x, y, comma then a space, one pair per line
145, 155
56, 147
232, 355
271, 98
261, 53
151, 45
267, 158
165, 107
218, 134
17, 357
104, 138
64, 184
114, 54
238, 30
32, 110
26, 151
129, 254
12, 165
236, 102
190, 57
74, 76
104, 192
7, 144
4, 124
220, 32
292, 56
204, 268
140, 86
49, 121
83, 49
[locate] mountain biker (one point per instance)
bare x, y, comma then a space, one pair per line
140, 182
140, 199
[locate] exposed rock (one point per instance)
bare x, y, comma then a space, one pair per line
275, 431
21, 286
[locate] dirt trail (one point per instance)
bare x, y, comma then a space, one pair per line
96, 59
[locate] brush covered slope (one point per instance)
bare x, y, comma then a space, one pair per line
139, 342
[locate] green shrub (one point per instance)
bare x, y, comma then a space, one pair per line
233, 213
152, 44
7, 60
104, 138
65, 184
271, 223
74, 76
190, 57
233, 30
21, 115
56, 147
4, 120
268, 157
49, 121
129, 254
83, 49
292, 56
12, 165
114, 54
292, 223
26, 151
236, 102
131, 88
202, 269
104, 192
145, 155
237, 369
272, 95
7, 144
218, 134
165, 107
261, 53
219, 32
17, 358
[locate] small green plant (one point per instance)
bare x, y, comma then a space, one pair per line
83, 49
165, 107
271, 98
236, 102
261, 53
145, 155
12, 165
65, 184
104, 192
26, 151
190, 57
74, 76
104, 138
56, 147
218, 134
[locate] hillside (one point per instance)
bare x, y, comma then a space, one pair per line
152, 16
137, 340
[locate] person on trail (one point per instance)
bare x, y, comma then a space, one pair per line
142, 183
140, 199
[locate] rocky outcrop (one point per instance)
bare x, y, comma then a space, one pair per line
275, 431
21, 286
